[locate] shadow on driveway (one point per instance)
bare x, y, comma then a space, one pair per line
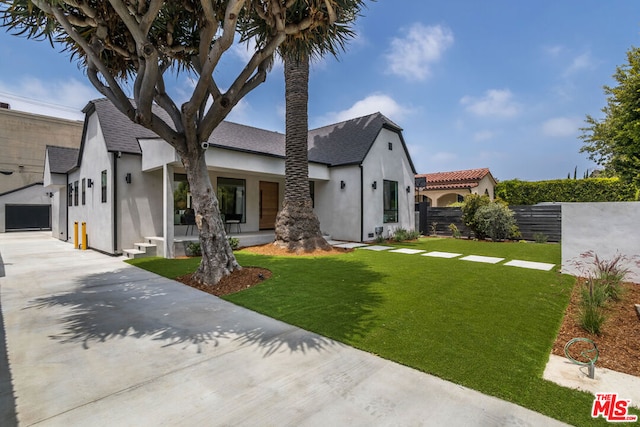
134, 303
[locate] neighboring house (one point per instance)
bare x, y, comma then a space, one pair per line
129, 185
26, 208
445, 188
23, 138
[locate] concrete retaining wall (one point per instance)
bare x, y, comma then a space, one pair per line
604, 228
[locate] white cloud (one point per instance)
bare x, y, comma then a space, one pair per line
483, 135
369, 105
495, 103
562, 127
412, 55
62, 98
443, 157
579, 63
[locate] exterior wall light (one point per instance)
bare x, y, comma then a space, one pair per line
127, 178
89, 183
374, 185
408, 189
342, 185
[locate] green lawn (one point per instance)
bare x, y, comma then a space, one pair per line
488, 327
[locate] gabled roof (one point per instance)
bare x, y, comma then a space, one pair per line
468, 178
339, 144
348, 142
120, 133
62, 159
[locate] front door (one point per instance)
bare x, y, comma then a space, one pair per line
268, 205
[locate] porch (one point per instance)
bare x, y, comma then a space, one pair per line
153, 245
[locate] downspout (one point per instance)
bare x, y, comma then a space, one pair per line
115, 204
361, 203
66, 204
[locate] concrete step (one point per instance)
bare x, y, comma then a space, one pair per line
134, 253
149, 248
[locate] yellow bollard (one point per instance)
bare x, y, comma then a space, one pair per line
84, 236
75, 235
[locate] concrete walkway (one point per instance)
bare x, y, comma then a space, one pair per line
90, 340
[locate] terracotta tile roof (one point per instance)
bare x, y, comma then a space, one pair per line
456, 179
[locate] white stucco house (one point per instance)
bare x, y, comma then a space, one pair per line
129, 186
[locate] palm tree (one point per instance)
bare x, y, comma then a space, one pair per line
297, 226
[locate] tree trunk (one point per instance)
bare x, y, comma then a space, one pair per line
297, 226
218, 259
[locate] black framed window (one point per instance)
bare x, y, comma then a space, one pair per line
103, 185
70, 195
390, 201
84, 191
231, 193
75, 193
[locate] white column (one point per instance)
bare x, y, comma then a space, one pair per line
167, 209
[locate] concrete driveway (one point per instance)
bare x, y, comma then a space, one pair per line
89, 340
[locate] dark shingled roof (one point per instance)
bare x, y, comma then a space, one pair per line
62, 159
347, 142
342, 143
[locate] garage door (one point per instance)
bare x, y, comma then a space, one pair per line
27, 217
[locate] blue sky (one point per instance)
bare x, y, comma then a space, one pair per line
502, 84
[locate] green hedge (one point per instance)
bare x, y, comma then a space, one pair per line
516, 192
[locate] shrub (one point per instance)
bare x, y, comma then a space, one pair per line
194, 249
454, 231
379, 239
495, 220
413, 234
470, 206
540, 237
234, 243
434, 228
400, 234
604, 278
593, 298
516, 192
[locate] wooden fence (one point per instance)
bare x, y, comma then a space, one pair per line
532, 220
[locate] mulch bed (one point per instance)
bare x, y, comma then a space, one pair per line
619, 343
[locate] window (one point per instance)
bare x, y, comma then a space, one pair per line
84, 191
390, 200
103, 184
390, 146
70, 194
75, 193
231, 193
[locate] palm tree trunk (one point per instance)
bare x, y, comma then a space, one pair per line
297, 226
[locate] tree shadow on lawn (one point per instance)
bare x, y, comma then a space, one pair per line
134, 303
335, 296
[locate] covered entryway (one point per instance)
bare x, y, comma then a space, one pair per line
268, 204
27, 217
